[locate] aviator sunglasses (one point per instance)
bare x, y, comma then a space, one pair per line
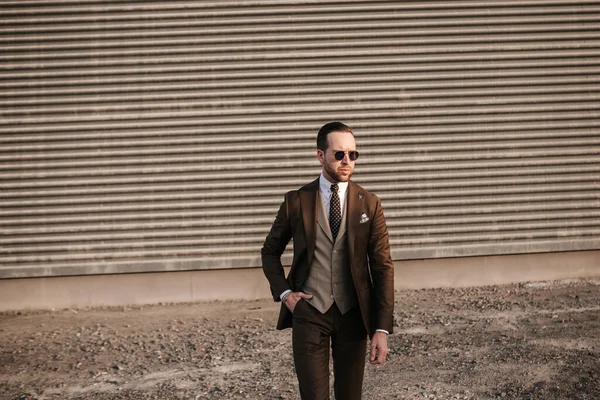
339, 155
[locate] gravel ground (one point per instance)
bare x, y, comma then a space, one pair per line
525, 341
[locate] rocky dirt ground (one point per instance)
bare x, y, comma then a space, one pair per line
525, 341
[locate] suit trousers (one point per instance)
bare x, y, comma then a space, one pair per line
312, 334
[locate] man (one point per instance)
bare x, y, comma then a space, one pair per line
341, 284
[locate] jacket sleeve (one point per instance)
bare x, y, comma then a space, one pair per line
382, 272
274, 246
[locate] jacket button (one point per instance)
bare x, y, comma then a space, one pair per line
331, 296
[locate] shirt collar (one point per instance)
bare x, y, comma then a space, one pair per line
325, 185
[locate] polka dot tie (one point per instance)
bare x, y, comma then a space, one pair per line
335, 211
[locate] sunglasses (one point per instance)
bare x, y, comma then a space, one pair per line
339, 155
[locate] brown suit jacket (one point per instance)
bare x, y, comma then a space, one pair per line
368, 245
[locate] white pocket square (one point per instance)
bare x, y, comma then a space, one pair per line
363, 218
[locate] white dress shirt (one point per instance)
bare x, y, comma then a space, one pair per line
325, 190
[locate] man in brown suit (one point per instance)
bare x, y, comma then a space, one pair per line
341, 284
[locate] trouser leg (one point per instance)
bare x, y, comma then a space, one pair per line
349, 344
311, 333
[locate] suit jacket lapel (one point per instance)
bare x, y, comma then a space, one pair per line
322, 218
308, 204
354, 199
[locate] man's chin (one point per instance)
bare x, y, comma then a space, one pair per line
343, 178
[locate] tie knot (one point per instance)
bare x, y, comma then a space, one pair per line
334, 187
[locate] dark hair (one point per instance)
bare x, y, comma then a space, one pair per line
327, 129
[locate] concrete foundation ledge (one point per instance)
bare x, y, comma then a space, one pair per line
250, 283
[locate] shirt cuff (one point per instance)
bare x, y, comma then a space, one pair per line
382, 330
282, 295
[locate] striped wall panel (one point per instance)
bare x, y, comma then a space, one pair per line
161, 135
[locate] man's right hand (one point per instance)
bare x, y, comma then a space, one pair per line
293, 298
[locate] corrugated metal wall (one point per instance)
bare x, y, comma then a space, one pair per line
150, 136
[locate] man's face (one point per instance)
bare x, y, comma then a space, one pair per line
334, 170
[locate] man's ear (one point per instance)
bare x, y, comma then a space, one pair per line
321, 156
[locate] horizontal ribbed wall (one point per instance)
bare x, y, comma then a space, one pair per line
152, 136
